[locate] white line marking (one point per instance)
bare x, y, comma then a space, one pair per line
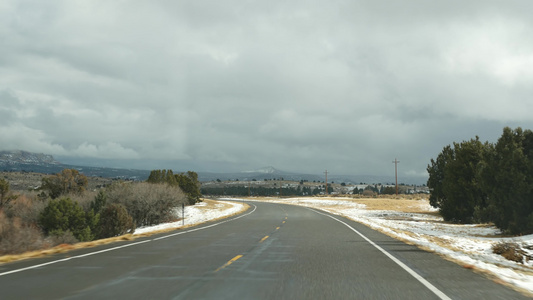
421, 279
120, 247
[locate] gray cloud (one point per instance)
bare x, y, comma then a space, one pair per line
302, 86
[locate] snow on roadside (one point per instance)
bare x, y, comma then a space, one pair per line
196, 214
471, 245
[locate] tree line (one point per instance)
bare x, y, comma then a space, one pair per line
241, 190
476, 182
187, 182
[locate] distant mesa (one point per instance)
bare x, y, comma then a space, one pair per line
24, 161
24, 157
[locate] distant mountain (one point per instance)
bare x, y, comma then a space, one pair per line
266, 170
24, 161
24, 157
42, 163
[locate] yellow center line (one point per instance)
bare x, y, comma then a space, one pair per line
283, 222
277, 228
229, 262
263, 239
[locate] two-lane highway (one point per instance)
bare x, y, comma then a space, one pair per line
272, 251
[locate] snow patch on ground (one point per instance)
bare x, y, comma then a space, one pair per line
196, 214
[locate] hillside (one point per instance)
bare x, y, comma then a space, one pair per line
23, 161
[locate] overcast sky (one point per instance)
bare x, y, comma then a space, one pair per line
303, 86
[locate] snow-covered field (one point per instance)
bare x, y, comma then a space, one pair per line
470, 245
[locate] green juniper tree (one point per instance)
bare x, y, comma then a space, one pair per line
453, 178
507, 178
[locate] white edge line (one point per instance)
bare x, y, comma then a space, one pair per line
421, 279
69, 258
123, 246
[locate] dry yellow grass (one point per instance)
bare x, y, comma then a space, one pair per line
401, 205
211, 204
65, 248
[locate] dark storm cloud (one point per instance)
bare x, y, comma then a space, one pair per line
301, 85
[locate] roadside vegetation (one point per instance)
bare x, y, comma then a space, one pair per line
475, 182
63, 211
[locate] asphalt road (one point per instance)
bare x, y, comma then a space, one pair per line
272, 251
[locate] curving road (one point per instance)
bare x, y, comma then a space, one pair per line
272, 251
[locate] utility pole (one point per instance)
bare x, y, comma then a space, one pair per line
396, 162
326, 181
280, 184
